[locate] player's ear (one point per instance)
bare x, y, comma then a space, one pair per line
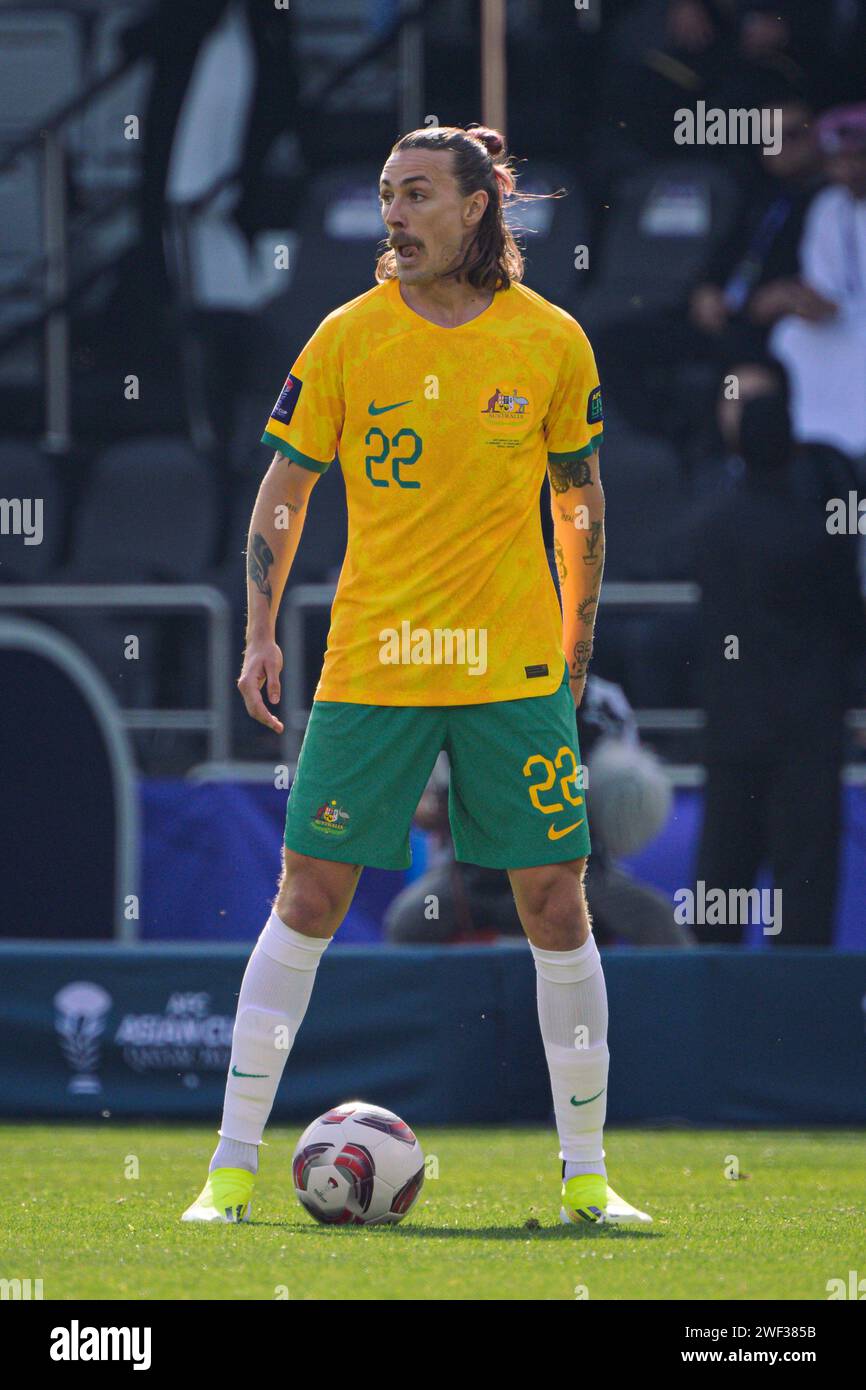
477, 207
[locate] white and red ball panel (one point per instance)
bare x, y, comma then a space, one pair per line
358, 1164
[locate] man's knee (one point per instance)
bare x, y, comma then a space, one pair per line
314, 894
552, 904
550, 887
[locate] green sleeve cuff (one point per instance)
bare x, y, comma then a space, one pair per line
574, 454
295, 455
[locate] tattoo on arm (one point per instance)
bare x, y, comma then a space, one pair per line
580, 659
259, 560
562, 476
586, 608
592, 540
560, 559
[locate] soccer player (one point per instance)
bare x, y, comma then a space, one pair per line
448, 389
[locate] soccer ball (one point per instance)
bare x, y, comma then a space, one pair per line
358, 1165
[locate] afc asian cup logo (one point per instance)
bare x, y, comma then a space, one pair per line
81, 1010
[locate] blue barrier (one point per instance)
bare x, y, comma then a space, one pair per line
715, 1036
211, 857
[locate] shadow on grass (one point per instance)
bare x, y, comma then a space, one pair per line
410, 1232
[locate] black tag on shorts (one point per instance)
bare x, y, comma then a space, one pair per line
533, 671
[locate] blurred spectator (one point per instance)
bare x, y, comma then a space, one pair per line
751, 281
825, 352
173, 35
629, 803
817, 472
774, 42
781, 624
662, 55
844, 25
818, 47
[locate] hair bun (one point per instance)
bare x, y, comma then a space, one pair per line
491, 139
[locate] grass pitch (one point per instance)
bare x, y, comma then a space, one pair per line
94, 1212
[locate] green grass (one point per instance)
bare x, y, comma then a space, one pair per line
72, 1218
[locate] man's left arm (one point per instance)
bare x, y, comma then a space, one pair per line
577, 504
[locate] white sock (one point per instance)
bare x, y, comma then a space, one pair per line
275, 992
572, 1013
231, 1153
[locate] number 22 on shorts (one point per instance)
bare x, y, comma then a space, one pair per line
568, 785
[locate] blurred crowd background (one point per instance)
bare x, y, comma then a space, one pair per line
160, 275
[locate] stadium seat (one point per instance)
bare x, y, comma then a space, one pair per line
323, 542
554, 227
319, 558
647, 503
26, 474
643, 495
339, 230
104, 158
148, 515
41, 66
20, 271
662, 228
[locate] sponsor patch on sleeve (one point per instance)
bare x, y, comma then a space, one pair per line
288, 399
594, 408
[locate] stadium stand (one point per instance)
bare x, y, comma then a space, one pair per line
339, 230
663, 227
550, 229
42, 65
149, 514
184, 461
25, 473
20, 252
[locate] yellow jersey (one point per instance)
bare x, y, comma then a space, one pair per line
444, 435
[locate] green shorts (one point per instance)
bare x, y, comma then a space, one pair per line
516, 797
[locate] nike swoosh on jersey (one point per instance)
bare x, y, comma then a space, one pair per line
374, 409
554, 834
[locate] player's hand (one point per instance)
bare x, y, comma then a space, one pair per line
263, 662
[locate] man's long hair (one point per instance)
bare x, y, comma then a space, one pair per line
492, 259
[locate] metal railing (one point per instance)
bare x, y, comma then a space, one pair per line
57, 292
167, 598
316, 597
22, 634
633, 597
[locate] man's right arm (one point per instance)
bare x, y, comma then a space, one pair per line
275, 530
